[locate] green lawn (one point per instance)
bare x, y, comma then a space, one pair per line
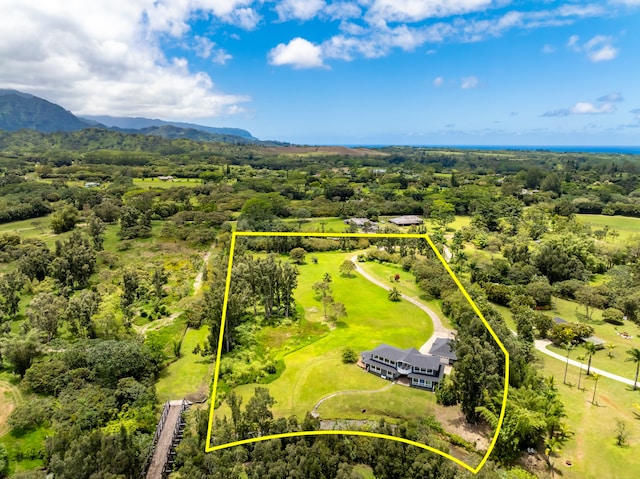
407, 285
156, 183
316, 370
626, 226
191, 374
592, 450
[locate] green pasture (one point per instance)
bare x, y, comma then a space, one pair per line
398, 401
316, 370
384, 272
626, 226
190, 374
592, 450
150, 183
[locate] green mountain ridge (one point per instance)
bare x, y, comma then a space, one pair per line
24, 111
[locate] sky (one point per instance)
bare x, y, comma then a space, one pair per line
369, 72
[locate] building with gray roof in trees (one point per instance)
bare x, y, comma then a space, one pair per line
407, 220
421, 370
443, 348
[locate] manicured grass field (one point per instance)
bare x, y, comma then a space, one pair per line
626, 226
406, 285
592, 450
316, 370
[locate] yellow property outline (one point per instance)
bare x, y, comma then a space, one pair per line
235, 234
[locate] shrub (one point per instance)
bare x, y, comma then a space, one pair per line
349, 356
613, 316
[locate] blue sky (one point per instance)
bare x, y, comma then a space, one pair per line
428, 72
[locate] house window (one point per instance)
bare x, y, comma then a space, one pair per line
430, 384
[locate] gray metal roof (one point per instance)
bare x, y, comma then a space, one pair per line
410, 356
443, 347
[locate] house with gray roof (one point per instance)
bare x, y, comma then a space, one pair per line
365, 223
407, 220
422, 370
443, 348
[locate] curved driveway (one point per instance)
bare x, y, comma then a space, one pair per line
541, 345
439, 330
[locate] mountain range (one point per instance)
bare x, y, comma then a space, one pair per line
19, 110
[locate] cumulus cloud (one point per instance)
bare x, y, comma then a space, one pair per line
547, 48
299, 53
605, 105
106, 57
438, 81
299, 9
598, 49
468, 83
205, 48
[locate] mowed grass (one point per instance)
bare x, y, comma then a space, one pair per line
397, 402
189, 375
592, 450
625, 225
384, 272
316, 370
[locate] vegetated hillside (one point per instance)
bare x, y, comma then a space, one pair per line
20, 110
138, 123
172, 132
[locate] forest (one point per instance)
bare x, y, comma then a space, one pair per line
112, 288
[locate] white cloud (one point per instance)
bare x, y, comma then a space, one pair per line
342, 11
205, 48
105, 56
573, 41
605, 105
469, 83
438, 81
383, 11
588, 108
613, 97
299, 53
599, 48
548, 48
299, 9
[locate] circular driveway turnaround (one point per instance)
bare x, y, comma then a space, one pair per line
439, 330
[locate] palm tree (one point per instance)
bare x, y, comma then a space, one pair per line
634, 354
580, 358
569, 347
595, 377
611, 348
591, 350
394, 294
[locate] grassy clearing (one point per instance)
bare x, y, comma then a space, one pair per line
592, 450
626, 226
316, 370
156, 183
189, 375
398, 401
407, 285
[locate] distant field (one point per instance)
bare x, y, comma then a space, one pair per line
592, 449
156, 183
626, 226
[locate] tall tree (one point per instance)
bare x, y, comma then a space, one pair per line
45, 313
634, 356
590, 349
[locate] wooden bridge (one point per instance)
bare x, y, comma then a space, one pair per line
168, 434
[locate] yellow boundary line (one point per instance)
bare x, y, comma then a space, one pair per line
236, 234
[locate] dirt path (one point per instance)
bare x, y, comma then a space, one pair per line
197, 286
164, 443
439, 330
11, 397
314, 413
